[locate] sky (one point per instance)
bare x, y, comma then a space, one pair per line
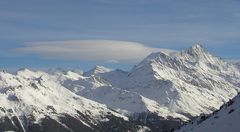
78, 34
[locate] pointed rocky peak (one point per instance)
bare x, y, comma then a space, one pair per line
97, 70
198, 47
196, 50
153, 63
164, 55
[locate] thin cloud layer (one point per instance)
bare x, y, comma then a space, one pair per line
90, 50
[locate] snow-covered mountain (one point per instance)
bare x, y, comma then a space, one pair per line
161, 92
33, 101
178, 85
187, 83
97, 70
141, 110
190, 82
224, 120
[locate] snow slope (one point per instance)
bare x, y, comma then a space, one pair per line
224, 120
31, 98
98, 87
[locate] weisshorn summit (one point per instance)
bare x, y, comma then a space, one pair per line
160, 94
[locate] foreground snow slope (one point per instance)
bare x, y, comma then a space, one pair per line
225, 120
29, 100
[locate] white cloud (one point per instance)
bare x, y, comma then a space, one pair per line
90, 50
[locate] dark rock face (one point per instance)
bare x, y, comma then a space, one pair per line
67, 123
156, 123
7, 125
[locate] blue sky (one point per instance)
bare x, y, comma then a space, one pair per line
171, 24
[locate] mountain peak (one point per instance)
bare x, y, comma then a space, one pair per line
24, 71
155, 55
198, 47
196, 50
97, 70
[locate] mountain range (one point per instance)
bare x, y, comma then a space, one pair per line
161, 93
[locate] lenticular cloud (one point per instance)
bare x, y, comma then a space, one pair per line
90, 50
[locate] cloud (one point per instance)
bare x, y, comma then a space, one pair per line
90, 50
